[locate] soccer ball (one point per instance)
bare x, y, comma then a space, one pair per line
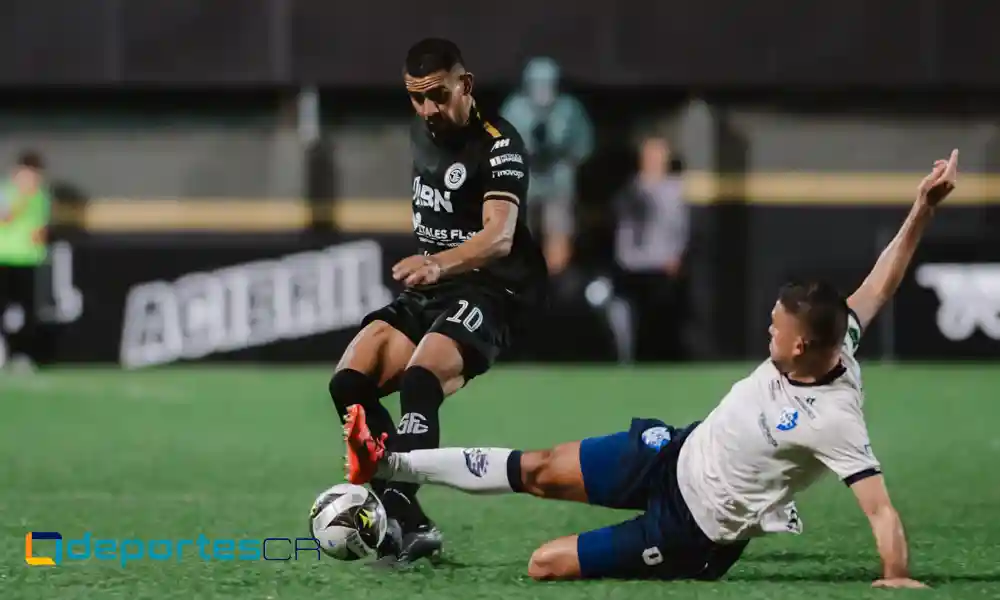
348, 521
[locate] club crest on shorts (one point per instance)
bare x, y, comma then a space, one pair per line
476, 461
454, 177
656, 437
788, 420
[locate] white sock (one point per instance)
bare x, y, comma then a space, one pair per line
472, 470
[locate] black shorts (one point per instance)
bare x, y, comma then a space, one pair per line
637, 470
477, 318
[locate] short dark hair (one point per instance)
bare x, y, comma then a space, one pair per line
29, 159
820, 307
431, 55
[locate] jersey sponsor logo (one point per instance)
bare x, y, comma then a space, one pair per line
476, 461
766, 430
788, 420
806, 405
774, 388
455, 176
508, 173
425, 196
656, 437
441, 237
412, 423
252, 304
496, 161
499, 144
969, 295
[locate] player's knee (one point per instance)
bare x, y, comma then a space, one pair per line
540, 473
553, 562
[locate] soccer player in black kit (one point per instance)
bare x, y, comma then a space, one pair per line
477, 271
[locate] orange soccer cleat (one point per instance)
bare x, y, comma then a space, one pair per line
363, 449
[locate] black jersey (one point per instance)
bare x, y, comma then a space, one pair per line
451, 181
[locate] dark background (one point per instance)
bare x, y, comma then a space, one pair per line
196, 100
712, 43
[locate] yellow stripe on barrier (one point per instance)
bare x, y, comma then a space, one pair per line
152, 215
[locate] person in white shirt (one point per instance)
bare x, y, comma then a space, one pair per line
708, 488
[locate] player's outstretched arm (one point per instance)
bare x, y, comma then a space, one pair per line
888, 272
873, 497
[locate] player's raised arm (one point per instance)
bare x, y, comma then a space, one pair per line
888, 272
873, 497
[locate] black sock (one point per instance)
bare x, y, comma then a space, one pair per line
420, 397
349, 387
400, 502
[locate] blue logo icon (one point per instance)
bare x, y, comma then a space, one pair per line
788, 420
656, 437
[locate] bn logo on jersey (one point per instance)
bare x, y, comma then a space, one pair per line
428, 197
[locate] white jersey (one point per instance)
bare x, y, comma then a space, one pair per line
770, 438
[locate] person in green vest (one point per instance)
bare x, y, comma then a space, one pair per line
24, 220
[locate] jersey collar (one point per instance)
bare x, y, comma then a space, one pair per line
827, 379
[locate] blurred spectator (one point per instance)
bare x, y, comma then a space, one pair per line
559, 136
650, 239
24, 221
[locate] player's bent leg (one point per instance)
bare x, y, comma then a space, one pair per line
565, 472
381, 352
376, 355
599, 470
556, 560
628, 550
442, 356
434, 370
372, 361
554, 474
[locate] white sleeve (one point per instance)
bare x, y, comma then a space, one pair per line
843, 446
852, 340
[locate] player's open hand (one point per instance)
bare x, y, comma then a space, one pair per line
417, 270
940, 182
900, 582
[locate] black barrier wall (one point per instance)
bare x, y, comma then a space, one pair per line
947, 304
144, 301
300, 298
711, 43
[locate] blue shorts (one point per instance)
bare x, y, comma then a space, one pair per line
637, 470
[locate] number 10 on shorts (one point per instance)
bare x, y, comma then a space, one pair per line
473, 317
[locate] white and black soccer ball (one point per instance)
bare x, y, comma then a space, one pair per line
348, 521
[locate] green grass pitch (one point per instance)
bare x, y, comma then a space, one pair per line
240, 452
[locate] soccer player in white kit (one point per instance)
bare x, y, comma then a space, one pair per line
708, 488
